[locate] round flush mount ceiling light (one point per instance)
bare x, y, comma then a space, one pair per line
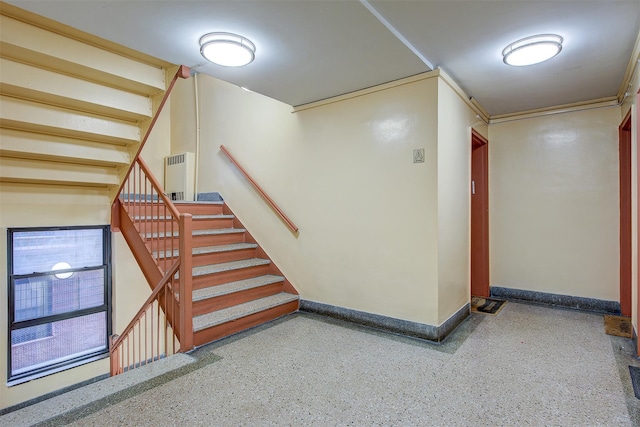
227, 49
532, 50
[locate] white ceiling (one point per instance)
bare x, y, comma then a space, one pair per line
307, 50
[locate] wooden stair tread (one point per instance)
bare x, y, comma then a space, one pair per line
160, 235
228, 266
218, 216
195, 217
223, 248
201, 250
237, 286
242, 310
212, 231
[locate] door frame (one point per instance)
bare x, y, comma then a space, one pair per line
637, 219
479, 247
624, 151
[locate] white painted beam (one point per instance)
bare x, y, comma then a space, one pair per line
31, 116
39, 146
28, 82
34, 45
44, 172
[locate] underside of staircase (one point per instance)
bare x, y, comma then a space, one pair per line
236, 286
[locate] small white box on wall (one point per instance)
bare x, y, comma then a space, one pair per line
179, 176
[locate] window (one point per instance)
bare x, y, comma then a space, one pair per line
59, 299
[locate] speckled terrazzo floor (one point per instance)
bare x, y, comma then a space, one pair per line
528, 366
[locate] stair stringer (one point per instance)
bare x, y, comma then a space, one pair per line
139, 249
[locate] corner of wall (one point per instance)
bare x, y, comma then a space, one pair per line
455, 119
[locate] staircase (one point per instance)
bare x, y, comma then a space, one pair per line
73, 108
235, 284
75, 113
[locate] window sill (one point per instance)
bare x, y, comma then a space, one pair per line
54, 370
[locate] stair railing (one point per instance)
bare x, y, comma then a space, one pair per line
265, 196
149, 336
159, 237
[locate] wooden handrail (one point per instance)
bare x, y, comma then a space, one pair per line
183, 73
259, 189
146, 209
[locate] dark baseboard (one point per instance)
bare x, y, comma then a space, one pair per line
556, 300
436, 334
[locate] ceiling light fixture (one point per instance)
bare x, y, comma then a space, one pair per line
532, 50
227, 49
62, 266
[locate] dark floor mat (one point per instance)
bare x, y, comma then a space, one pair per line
635, 380
486, 305
618, 326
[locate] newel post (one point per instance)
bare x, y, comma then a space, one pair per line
186, 287
114, 354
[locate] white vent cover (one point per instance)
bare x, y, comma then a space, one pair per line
179, 176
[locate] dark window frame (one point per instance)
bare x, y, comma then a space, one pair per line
106, 265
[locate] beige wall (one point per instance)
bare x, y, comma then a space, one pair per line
35, 206
158, 146
183, 125
554, 215
28, 205
70, 138
455, 120
378, 233
343, 173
